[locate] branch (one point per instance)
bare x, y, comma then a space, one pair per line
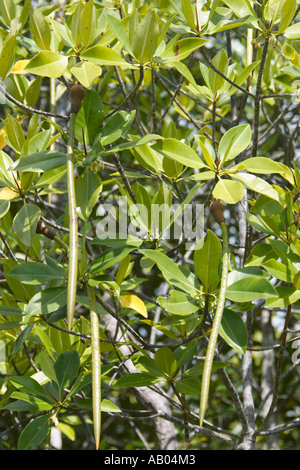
28, 108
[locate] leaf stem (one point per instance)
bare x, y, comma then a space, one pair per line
215, 328
73, 225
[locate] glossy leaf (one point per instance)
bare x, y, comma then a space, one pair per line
102, 55
135, 303
89, 117
165, 359
174, 274
36, 273
257, 184
228, 190
136, 379
40, 29
207, 258
109, 258
180, 152
87, 187
34, 433
179, 303
66, 368
86, 73
7, 56
47, 64
145, 38
243, 287
47, 301
182, 49
25, 223
41, 161
233, 330
233, 142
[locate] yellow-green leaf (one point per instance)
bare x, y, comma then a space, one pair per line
229, 191
135, 303
86, 73
47, 64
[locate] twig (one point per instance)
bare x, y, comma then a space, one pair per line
29, 109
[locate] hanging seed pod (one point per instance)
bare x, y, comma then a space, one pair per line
216, 210
43, 229
77, 94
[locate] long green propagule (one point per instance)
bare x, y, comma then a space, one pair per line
96, 365
217, 211
77, 93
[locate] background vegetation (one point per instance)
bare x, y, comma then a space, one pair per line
183, 102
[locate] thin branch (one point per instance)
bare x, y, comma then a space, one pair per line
29, 109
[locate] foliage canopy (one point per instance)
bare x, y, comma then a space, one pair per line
121, 324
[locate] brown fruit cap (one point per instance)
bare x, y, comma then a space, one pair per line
77, 94
43, 229
216, 210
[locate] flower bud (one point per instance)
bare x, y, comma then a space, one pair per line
77, 94
216, 210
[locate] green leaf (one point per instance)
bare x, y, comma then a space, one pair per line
287, 14
180, 152
207, 258
229, 191
34, 433
7, 11
25, 223
41, 161
257, 184
40, 29
285, 296
282, 271
240, 7
246, 287
215, 81
259, 254
116, 126
165, 359
233, 142
47, 64
87, 187
188, 12
185, 353
15, 133
179, 303
172, 272
293, 31
36, 273
182, 49
103, 55
89, 117
136, 379
260, 165
109, 258
7, 55
189, 386
119, 31
198, 369
86, 73
234, 331
30, 386
262, 224
66, 368
47, 301
6, 176
145, 40
22, 338
266, 207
